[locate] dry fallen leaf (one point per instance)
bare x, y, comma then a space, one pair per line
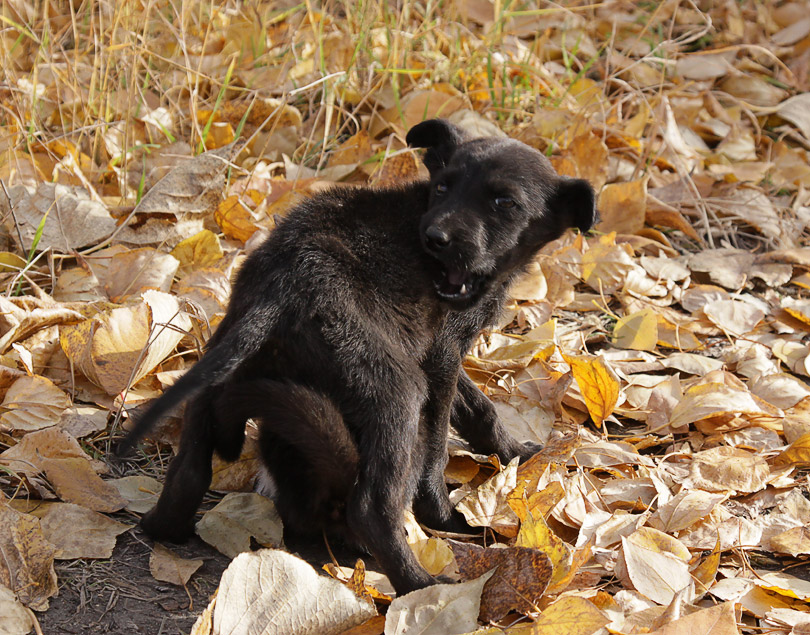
275, 593
91, 535
656, 564
598, 383
230, 524
16, 619
27, 563
571, 615
442, 609
167, 566
118, 347
521, 576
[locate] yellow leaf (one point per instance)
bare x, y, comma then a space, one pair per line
622, 207
797, 453
200, 250
234, 219
570, 615
706, 572
535, 534
10, 262
599, 386
637, 331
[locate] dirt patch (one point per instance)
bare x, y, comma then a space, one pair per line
121, 596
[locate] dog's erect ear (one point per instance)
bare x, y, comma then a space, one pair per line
440, 137
574, 198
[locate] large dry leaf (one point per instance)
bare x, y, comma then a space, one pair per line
734, 316
19, 320
167, 566
637, 331
75, 531
16, 619
442, 609
724, 469
796, 110
657, 565
520, 579
270, 592
118, 347
193, 187
570, 615
74, 481
66, 466
230, 525
713, 399
33, 403
132, 272
200, 250
797, 453
729, 268
535, 534
622, 207
684, 509
26, 565
717, 620
74, 219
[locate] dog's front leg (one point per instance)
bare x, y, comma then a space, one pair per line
189, 475
432, 505
475, 419
386, 442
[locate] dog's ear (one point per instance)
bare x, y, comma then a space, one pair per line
440, 137
574, 198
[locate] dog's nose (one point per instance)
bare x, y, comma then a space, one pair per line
436, 238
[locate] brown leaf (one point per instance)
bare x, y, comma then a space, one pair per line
167, 566
76, 482
33, 403
622, 207
118, 347
234, 219
717, 620
131, 273
74, 218
230, 525
27, 563
520, 579
75, 531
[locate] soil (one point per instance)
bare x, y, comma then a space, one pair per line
120, 596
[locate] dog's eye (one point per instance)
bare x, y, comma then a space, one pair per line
441, 188
505, 202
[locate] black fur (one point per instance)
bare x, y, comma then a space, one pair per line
345, 335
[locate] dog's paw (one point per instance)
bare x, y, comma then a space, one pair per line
165, 529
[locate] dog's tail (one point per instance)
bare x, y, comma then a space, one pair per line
238, 343
307, 420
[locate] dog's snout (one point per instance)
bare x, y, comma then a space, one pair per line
436, 238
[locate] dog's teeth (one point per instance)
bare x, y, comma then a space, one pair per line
463, 289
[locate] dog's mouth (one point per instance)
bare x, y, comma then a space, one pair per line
458, 285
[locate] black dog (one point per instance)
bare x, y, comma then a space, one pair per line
345, 334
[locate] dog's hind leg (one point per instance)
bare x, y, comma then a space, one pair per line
189, 475
475, 419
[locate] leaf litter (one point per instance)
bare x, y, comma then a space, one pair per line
664, 360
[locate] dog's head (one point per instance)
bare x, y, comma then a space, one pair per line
494, 203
